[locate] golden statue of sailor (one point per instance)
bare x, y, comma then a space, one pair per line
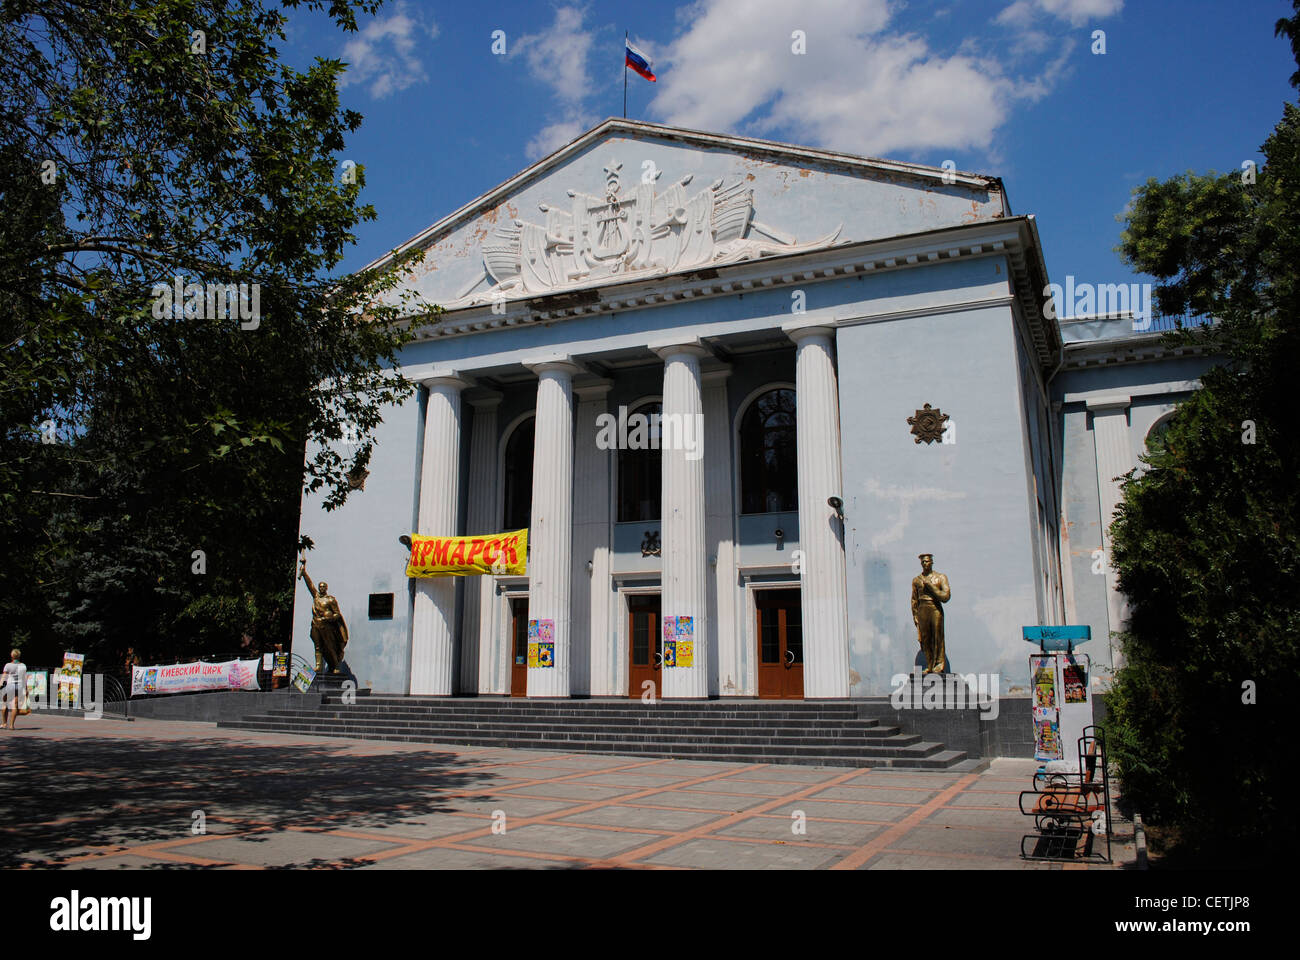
929, 592
329, 632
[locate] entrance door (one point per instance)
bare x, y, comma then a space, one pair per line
645, 653
519, 647
779, 630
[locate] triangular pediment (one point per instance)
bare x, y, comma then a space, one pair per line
631, 200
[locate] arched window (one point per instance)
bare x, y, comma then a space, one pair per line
769, 465
640, 467
517, 489
1156, 435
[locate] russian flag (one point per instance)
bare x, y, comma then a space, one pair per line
638, 61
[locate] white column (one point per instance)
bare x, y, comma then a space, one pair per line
434, 621
550, 532
719, 485
478, 640
1114, 459
825, 598
592, 645
684, 588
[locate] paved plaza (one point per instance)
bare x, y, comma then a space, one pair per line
110, 794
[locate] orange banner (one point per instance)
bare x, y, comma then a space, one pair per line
503, 554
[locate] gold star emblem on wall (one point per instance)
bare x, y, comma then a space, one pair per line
928, 424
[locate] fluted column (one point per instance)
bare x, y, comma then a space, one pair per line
684, 586
434, 620
822, 584
1114, 459
592, 641
719, 484
478, 640
550, 532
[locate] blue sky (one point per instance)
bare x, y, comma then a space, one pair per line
1004, 87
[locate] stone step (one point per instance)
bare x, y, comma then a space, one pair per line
534, 735
936, 758
665, 736
620, 720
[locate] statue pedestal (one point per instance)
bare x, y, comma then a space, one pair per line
332, 683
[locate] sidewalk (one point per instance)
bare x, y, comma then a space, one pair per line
108, 794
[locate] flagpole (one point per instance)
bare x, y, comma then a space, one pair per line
624, 74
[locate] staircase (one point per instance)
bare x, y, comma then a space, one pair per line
748, 731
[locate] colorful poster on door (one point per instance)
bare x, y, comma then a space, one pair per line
546, 654
532, 654
685, 627
670, 653
685, 653
670, 628
1043, 677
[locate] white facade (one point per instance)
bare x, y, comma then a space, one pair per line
752, 291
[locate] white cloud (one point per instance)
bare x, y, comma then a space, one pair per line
864, 85
1022, 13
857, 88
386, 52
558, 57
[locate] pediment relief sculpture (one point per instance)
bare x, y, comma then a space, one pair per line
603, 239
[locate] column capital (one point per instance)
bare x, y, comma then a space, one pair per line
689, 346
449, 379
713, 374
484, 399
1115, 401
558, 364
800, 332
593, 389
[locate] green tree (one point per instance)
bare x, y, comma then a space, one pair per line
144, 146
1206, 540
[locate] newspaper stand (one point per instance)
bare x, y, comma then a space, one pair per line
1070, 809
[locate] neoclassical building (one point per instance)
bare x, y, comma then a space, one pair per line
733, 388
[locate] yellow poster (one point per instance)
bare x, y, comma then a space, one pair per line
503, 554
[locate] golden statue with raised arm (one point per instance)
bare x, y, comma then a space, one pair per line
328, 631
929, 592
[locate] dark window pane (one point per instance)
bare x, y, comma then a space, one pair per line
794, 633
769, 465
640, 472
769, 636
641, 639
518, 492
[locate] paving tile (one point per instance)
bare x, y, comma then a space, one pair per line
880, 794
438, 859
815, 831
902, 861
645, 818
843, 810
568, 840
711, 854
283, 849
572, 790
730, 803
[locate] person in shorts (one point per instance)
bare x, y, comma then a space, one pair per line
14, 688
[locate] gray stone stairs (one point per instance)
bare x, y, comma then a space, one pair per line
749, 731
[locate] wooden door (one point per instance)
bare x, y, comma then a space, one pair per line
519, 647
645, 648
779, 629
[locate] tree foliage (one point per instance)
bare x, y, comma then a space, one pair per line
145, 146
1206, 540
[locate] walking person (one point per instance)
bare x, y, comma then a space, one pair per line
14, 688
